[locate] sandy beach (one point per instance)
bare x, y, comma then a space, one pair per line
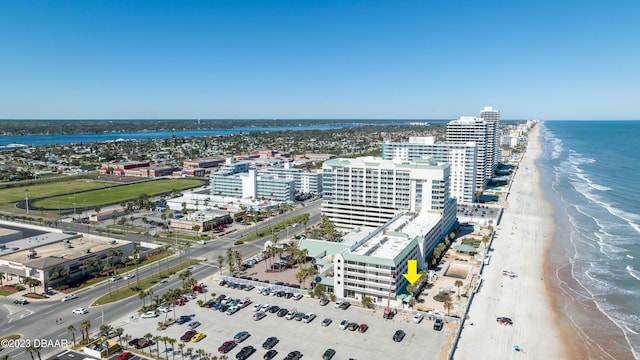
523, 239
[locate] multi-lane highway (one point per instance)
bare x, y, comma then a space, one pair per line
37, 320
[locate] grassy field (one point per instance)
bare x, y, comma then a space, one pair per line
113, 195
12, 195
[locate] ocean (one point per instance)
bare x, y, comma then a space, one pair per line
591, 174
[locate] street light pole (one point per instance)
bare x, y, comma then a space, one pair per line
26, 199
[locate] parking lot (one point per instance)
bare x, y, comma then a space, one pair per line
311, 339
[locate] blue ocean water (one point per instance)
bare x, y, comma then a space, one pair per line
591, 173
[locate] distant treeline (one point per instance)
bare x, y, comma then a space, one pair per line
57, 127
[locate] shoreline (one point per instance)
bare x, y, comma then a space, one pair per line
522, 243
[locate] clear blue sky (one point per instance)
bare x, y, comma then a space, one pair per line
319, 59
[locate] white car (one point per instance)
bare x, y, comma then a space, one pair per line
80, 311
70, 297
307, 318
259, 315
343, 324
190, 296
163, 309
149, 314
115, 278
290, 315
265, 307
337, 305
297, 296
257, 307
418, 317
128, 276
232, 310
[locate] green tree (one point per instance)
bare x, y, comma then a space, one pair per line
458, 284
448, 305
72, 330
220, 263
367, 302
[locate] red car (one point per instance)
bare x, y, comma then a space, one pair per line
188, 335
180, 301
143, 343
504, 320
362, 328
227, 346
124, 356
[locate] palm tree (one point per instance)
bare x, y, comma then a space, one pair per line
238, 258
458, 284
448, 305
184, 275
230, 262
171, 342
136, 260
142, 295
72, 330
181, 346
201, 353
126, 338
157, 339
220, 263
119, 331
30, 350
148, 337
189, 350
2, 277
85, 325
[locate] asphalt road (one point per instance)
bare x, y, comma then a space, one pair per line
37, 320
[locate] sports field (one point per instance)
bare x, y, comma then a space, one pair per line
114, 195
12, 195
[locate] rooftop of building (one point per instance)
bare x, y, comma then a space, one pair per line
377, 162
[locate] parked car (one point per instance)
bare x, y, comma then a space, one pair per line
504, 320
163, 309
270, 343
417, 318
297, 296
149, 315
438, 324
125, 356
259, 315
232, 310
282, 312
143, 343
326, 322
194, 324
270, 354
345, 305
197, 337
352, 326
241, 336
328, 354
80, 311
298, 316
70, 297
245, 352
294, 355
398, 336
188, 335
227, 346
307, 318
343, 324
290, 315
133, 341
363, 328
324, 301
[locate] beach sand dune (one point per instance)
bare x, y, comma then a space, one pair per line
521, 245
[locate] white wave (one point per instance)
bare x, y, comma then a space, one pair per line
630, 257
632, 272
631, 330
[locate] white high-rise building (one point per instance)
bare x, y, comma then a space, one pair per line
492, 117
473, 129
370, 191
462, 159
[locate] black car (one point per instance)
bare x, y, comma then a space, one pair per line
345, 305
398, 336
294, 355
274, 309
438, 324
270, 343
324, 301
270, 354
132, 342
328, 354
245, 352
282, 312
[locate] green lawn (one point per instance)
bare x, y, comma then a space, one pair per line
118, 194
12, 195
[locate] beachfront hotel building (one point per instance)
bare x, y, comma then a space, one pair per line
369, 191
462, 159
492, 117
370, 261
468, 129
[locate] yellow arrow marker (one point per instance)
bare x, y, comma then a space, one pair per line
412, 271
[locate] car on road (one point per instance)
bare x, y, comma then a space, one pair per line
149, 315
328, 354
398, 335
125, 356
294, 355
259, 315
70, 297
115, 278
270, 343
504, 320
270, 354
324, 301
227, 346
80, 311
245, 352
194, 324
352, 326
438, 324
417, 318
188, 335
343, 324
128, 276
307, 318
326, 322
241, 336
197, 337
21, 302
363, 328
